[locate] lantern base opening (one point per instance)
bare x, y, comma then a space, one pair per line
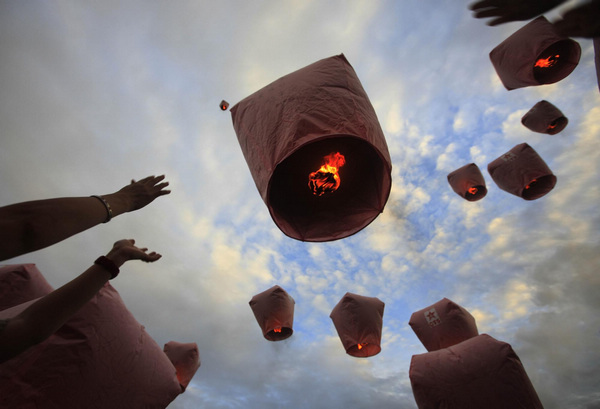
363, 350
538, 188
564, 56
279, 335
475, 193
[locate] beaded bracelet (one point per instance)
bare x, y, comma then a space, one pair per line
106, 206
108, 265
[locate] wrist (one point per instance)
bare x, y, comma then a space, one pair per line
108, 265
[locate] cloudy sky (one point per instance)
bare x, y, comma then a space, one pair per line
93, 94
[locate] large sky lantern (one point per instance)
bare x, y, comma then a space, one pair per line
468, 182
522, 172
102, 357
480, 372
535, 55
359, 321
274, 312
544, 117
316, 151
185, 358
443, 324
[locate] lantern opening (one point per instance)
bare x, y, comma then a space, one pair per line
279, 334
538, 187
556, 62
277, 330
475, 193
327, 179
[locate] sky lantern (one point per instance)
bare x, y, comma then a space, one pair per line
522, 172
468, 182
480, 372
274, 312
358, 321
316, 151
186, 360
597, 58
443, 324
101, 357
545, 118
534, 55
224, 105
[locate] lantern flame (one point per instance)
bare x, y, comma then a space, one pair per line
327, 179
361, 346
472, 190
530, 183
278, 329
552, 125
547, 62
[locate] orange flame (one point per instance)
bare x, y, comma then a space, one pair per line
278, 329
360, 346
472, 190
530, 183
326, 179
552, 125
547, 62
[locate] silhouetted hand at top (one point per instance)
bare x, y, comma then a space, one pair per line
506, 11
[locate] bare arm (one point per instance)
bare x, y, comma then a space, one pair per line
504, 11
44, 317
30, 226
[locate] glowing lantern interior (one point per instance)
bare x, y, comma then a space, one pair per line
547, 62
556, 62
327, 179
278, 329
472, 190
360, 346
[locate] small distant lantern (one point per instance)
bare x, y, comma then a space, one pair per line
480, 372
534, 55
224, 105
358, 321
443, 324
522, 172
315, 116
468, 182
274, 312
597, 58
545, 118
186, 360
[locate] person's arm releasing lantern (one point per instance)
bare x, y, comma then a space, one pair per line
30, 226
45, 316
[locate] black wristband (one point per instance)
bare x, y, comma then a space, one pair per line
108, 265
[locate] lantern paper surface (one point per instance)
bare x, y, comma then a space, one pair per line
274, 312
20, 283
443, 324
358, 321
288, 127
185, 358
478, 373
537, 43
597, 58
522, 172
468, 182
545, 118
101, 358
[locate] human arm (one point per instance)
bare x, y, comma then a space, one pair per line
30, 226
44, 317
581, 21
504, 11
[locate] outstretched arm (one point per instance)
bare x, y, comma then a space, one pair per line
504, 11
30, 226
44, 317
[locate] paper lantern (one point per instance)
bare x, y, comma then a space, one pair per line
224, 105
274, 312
535, 55
545, 118
186, 360
100, 358
597, 58
468, 182
20, 283
358, 321
522, 172
290, 129
480, 372
443, 324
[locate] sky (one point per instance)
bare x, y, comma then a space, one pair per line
94, 94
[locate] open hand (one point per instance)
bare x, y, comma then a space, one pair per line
143, 192
125, 250
506, 11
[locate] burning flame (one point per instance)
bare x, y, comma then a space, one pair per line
472, 190
360, 346
552, 125
326, 179
278, 329
530, 183
547, 62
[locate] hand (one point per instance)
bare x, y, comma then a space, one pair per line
125, 250
506, 11
141, 193
582, 21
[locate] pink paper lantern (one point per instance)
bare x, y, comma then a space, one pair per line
534, 55
274, 312
545, 118
358, 321
468, 182
289, 128
522, 172
186, 360
597, 58
480, 372
443, 324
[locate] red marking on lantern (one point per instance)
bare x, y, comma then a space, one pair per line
547, 62
327, 179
